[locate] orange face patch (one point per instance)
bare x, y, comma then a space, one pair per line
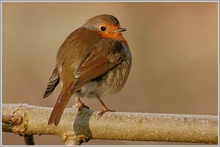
109, 31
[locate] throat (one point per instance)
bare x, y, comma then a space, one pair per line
114, 36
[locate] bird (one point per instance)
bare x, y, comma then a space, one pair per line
92, 62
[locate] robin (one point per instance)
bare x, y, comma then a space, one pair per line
93, 61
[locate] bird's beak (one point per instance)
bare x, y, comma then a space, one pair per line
120, 30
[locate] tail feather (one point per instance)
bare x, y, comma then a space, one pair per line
59, 108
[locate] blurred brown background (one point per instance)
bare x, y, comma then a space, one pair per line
174, 48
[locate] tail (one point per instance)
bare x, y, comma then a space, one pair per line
59, 108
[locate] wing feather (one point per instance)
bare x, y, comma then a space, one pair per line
96, 64
53, 82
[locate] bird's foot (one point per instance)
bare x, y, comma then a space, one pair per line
105, 110
80, 104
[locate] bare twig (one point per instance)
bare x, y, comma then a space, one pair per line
29, 139
77, 127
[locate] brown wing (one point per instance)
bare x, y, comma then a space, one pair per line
96, 64
53, 82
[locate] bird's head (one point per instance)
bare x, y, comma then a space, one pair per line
107, 26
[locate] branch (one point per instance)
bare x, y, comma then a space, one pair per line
29, 139
77, 127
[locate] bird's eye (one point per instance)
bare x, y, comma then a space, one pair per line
103, 28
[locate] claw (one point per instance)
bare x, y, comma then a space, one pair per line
105, 110
83, 106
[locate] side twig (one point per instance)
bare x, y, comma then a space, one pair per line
29, 139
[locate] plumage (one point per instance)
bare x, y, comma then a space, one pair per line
53, 82
92, 62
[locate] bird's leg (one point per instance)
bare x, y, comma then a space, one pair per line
104, 108
80, 104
